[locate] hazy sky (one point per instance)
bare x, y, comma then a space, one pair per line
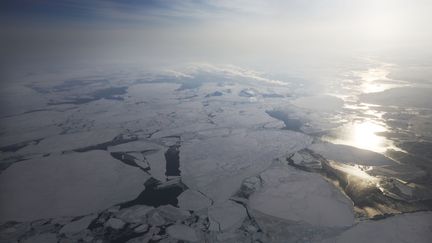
230, 31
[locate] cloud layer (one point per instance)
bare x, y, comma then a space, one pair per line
256, 32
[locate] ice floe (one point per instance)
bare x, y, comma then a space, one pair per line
226, 216
295, 195
415, 227
193, 200
66, 185
182, 232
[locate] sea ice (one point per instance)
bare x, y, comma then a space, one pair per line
226, 216
301, 196
193, 200
182, 232
410, 227
66, 185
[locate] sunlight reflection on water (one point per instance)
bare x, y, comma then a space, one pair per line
378, 127
361, 134
376, 80
364, 125
354, 170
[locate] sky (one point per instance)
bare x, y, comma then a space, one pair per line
255, 32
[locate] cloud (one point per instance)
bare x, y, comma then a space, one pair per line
229, 71
243, 32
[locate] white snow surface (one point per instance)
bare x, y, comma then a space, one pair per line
42, 238
349, 154
224, 139
217, 165
134, 214
66, 142
326, 103
410, 227
300, 196
115, 223
182, 232
226, 216
77, 225
193, 200
66, 185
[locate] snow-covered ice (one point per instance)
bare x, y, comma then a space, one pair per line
193, 200
182, 232
77, 225
205, 153
226, 216
415, 227
66, 185
295, 195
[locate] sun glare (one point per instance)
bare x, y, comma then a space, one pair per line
363, 135
354, 170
